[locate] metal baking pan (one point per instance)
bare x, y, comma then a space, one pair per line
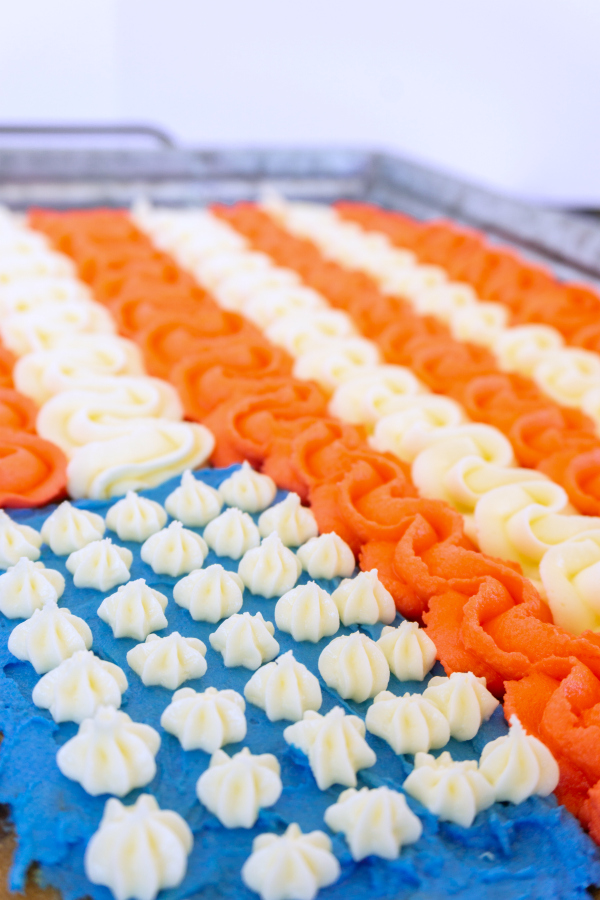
170, 175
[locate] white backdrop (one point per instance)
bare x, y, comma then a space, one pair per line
507, 93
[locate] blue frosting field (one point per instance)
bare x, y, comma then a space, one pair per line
535, 850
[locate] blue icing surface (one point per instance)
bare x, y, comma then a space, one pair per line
535, 850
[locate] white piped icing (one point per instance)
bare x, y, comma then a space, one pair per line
364, 600
28, 586
68, 529
409, 650
110, 754
294, 865
464, 700
134, 611
327, 556
51, 635
307, 613
409, 724
452, 791
135, 518
210, 594
232, 534
245, 640
205, 721
375, 822
17, 541
100, 565
168, 661
285, 689
335, 745
78, 686
248, 490
270, 569
236, 788
354, 666
139, 849
518, 765
174, 551
294, 523
194, 503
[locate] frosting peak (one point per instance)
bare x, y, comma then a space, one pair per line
75, 689
285, 689
135, 518
518, 765
236, 788
100, 565
307, 612
245, 640
68, 529
410, 724
453, 791
354, 666
376, 822
364, 600
248, 490
28, 586
51, 635
210, 594
17, 541
464, 700
270, 569
409, 650
174, 551
134, 611
326, 556
205, 721
232, 534
168, 661
294, 523
194, 503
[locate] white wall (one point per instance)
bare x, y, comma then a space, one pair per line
507, 92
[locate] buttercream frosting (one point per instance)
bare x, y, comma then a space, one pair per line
293, 865
570, 574
235, 788
272, 303
334, 744
285, 689
354, 666
294, 523
174, 550
518, 765
194, 503
415, 424
135, 518
28, 586
248, 490
307, 612
464, 700
409, 724
68, 529
17, 541
151, 452
270, 569
210, 594
245, 640
100, 565
376, 822
367, 397
51, 635
138, 850
409, 650
327, 556
205, 721
134, 611
232, 534
75, 689
520, 349
43, 327
168, 661
364, 600
110, 754
452, 791
332, 363
298, 332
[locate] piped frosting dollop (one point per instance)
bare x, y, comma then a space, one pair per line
205, 721
245, 640
51, 635
409, 724
294, 523
100, 565
28, 586
452, 791
138, 850
134, 611
270, 569
232, 534
248, 490
75, 689
464, 700
364, 600
518, 765
68, 529
285, 689
327, 556
354, 666
17, 541
307, 612
174, 551
210, 594
334, 744
194, 503
235, 788
135, 518
376, 822
110, 754
168, 661
409, 650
